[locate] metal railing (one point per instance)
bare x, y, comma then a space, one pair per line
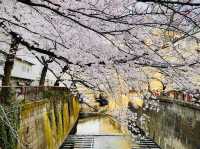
29, 92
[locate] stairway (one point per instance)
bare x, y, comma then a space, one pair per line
100, 141
78, 142
91, 142
145, 143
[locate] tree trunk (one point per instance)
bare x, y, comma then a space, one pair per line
43, 75
9, 63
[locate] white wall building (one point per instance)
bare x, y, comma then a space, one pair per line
26, 71
27, 68
22, 72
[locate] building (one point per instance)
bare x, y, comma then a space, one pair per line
173, 94
180, 95
26, 71
22, 72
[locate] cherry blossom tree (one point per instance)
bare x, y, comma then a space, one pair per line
93, 36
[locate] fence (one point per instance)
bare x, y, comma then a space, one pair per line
29, 92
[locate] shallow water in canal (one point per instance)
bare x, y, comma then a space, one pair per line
175, 127
108, 133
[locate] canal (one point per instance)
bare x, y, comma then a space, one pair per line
174, 126
98, 132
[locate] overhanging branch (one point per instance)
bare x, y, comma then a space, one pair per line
172, 2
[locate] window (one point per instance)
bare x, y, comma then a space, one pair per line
2, 59
1, 62
23, 68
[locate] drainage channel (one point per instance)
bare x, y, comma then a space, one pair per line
102, 132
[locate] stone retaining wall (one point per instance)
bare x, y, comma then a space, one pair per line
44, 124
180, 102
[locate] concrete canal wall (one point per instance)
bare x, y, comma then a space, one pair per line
44, 124
179, 102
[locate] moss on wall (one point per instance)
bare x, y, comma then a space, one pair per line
65, 118
48, 135
46, 123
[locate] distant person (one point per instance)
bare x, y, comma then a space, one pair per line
81, 98
102, 100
